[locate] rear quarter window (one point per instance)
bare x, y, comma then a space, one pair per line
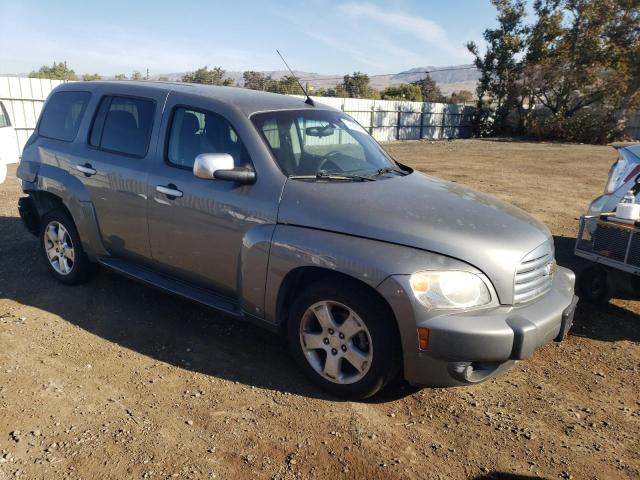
62, 115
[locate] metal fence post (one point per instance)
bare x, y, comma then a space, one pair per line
398, 124
371, 120
421, 123
340, 130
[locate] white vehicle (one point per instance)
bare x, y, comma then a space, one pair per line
623, 175
8, 144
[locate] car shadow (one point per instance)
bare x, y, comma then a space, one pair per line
606, 322
153, 323
195, 338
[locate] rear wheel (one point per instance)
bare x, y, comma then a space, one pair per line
344, 338
62, 249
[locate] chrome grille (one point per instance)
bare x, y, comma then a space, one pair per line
534, 275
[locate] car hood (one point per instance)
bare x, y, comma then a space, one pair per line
423, 212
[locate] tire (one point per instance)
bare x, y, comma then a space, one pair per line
360, 327
67, 268
594, 285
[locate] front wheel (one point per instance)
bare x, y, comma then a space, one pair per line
344, 338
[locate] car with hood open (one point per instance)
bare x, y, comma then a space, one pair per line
288, 214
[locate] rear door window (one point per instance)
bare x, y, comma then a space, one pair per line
62, 115
123, 125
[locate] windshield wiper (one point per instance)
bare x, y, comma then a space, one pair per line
329, 176
382, 171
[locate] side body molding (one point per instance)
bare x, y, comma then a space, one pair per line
253, 264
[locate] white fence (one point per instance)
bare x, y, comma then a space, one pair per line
389, 120
23, 99
386, 120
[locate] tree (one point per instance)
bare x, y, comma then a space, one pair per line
499, 91
120, 76
404, 91
430, 90
356, 86
136, 75
57, 71
259, 81
623, 54
87, 77
567, 57
289, 85
462, 96
215, 76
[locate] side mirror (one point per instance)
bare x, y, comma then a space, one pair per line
220, 166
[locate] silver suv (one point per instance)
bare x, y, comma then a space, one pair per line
290, 215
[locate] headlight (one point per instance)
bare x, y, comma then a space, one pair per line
450, 290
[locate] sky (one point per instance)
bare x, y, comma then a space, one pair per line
322, 36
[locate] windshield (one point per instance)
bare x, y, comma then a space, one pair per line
317, 142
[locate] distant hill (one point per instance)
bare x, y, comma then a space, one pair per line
449, 79
455, 77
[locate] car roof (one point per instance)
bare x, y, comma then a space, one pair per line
246, 100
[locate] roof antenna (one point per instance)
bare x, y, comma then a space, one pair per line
308, 100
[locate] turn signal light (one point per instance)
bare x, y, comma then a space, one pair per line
423, 338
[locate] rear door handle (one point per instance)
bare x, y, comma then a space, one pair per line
170, 191
87, 169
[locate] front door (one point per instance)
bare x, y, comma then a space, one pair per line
197, 226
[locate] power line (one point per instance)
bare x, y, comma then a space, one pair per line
340, 77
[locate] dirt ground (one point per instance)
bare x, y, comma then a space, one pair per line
115, 380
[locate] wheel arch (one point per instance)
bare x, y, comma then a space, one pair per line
45, 201
81, 213
297, 279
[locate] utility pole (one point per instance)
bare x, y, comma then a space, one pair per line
147, 74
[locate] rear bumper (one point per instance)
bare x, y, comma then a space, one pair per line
471, 347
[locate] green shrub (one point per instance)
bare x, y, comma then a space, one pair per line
586, 126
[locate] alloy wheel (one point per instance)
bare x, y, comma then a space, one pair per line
59, 248
336, 342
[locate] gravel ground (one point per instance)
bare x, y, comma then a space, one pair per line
116, 380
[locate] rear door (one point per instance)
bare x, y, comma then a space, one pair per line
113, 165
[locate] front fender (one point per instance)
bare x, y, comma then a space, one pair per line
370, 261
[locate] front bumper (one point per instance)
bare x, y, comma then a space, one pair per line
470, 347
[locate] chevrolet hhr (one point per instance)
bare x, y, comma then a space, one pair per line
288, 214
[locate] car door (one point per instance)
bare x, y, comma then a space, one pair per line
113, 165
197, 232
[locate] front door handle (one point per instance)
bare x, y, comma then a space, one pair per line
87, 169
170, 191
